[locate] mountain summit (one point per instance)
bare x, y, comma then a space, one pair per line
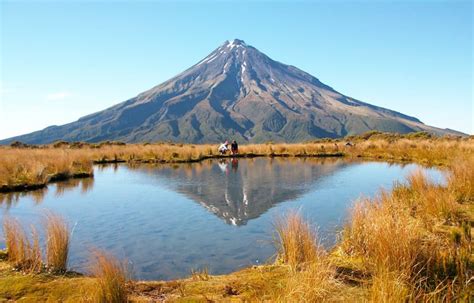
236, 92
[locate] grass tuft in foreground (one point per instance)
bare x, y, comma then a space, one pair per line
296, 241
24, 254
111, 275
57, 242
312, 276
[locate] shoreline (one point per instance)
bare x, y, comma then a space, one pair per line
25, 187
431, 260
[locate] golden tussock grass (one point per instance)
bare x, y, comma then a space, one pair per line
312, 277
316, 282
57, 242
461, 179
388, 286
413, 241
39, 166
296, 241
24, 254
111, 275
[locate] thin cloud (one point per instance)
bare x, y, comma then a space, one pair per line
58, 96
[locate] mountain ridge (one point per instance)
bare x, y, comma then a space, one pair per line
236, 92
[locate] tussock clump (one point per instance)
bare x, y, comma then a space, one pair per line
311, 277
22, 253
111, 277
385, 234
296, 241
57, 242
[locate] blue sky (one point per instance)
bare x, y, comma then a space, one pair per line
62, 60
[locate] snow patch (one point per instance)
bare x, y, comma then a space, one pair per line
207, 58
201, 62
225, 67
211, 59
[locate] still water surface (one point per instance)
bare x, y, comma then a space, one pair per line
169, 219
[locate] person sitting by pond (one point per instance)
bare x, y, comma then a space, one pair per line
234, 148
223, 148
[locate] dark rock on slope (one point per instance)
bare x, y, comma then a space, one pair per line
237, 93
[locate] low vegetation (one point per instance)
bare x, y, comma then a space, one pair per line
111, 277
23, 253
26, 167
296, 241
57, 243
412, 244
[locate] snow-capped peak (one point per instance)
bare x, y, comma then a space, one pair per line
235, 43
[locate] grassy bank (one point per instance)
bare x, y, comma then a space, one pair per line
26, 167
412, 244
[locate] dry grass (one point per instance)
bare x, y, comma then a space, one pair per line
23, 254
461, 179
414, 241
296, 241
412, 244
111, 275
312, 276
57, 243
388, 286
372, 231
200, 274
39, 165
315, 283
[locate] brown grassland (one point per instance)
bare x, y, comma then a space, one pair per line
25, 167
412, 244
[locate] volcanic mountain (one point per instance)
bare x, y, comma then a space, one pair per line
236, 92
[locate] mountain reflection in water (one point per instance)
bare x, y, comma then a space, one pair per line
241, 191
168, 219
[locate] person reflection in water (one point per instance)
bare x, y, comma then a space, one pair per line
235, 164
223, 165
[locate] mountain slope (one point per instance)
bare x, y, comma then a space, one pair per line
236, 92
